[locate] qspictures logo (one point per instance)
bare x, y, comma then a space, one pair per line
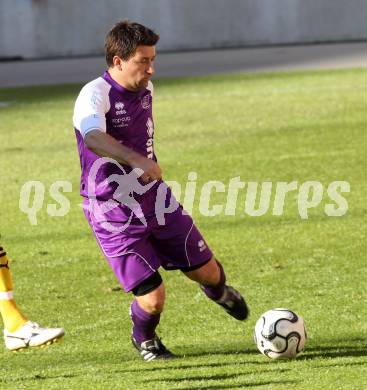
258, 198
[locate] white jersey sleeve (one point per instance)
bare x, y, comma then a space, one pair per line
91, 107
150, 87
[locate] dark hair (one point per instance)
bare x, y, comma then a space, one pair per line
124, 37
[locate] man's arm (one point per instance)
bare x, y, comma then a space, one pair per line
104, 145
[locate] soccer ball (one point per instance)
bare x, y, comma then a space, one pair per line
280, 334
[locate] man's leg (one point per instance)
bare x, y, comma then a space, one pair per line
134, 262
145, 313
12, 317
19, 333
212, 280
180, 245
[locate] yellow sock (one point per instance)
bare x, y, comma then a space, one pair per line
12, 317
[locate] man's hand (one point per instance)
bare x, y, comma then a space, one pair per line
152, 170
106, 146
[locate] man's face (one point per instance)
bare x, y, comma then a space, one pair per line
135, 73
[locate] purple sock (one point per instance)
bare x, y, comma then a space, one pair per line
216, 292
144, 323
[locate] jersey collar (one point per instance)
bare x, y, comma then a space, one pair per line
120, 88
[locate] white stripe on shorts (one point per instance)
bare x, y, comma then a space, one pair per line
138, 254
187, 255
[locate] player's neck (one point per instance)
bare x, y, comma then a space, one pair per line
116, 76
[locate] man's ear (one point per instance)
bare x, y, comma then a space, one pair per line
117, 62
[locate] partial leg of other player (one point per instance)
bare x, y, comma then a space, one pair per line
19, 332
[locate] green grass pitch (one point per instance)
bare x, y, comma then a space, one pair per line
297, 126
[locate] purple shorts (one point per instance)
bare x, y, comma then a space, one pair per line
137, 251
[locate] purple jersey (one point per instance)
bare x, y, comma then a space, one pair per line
131, 236
105, 105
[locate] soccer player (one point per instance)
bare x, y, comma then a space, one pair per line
113, 119
19, 333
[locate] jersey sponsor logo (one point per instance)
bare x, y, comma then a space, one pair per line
145, 101
121, 122
119, 107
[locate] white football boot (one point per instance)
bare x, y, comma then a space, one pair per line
31, 335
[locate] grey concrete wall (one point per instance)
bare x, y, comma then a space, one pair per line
53, 28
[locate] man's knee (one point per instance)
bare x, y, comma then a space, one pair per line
150, 294
153, 305
153, 302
